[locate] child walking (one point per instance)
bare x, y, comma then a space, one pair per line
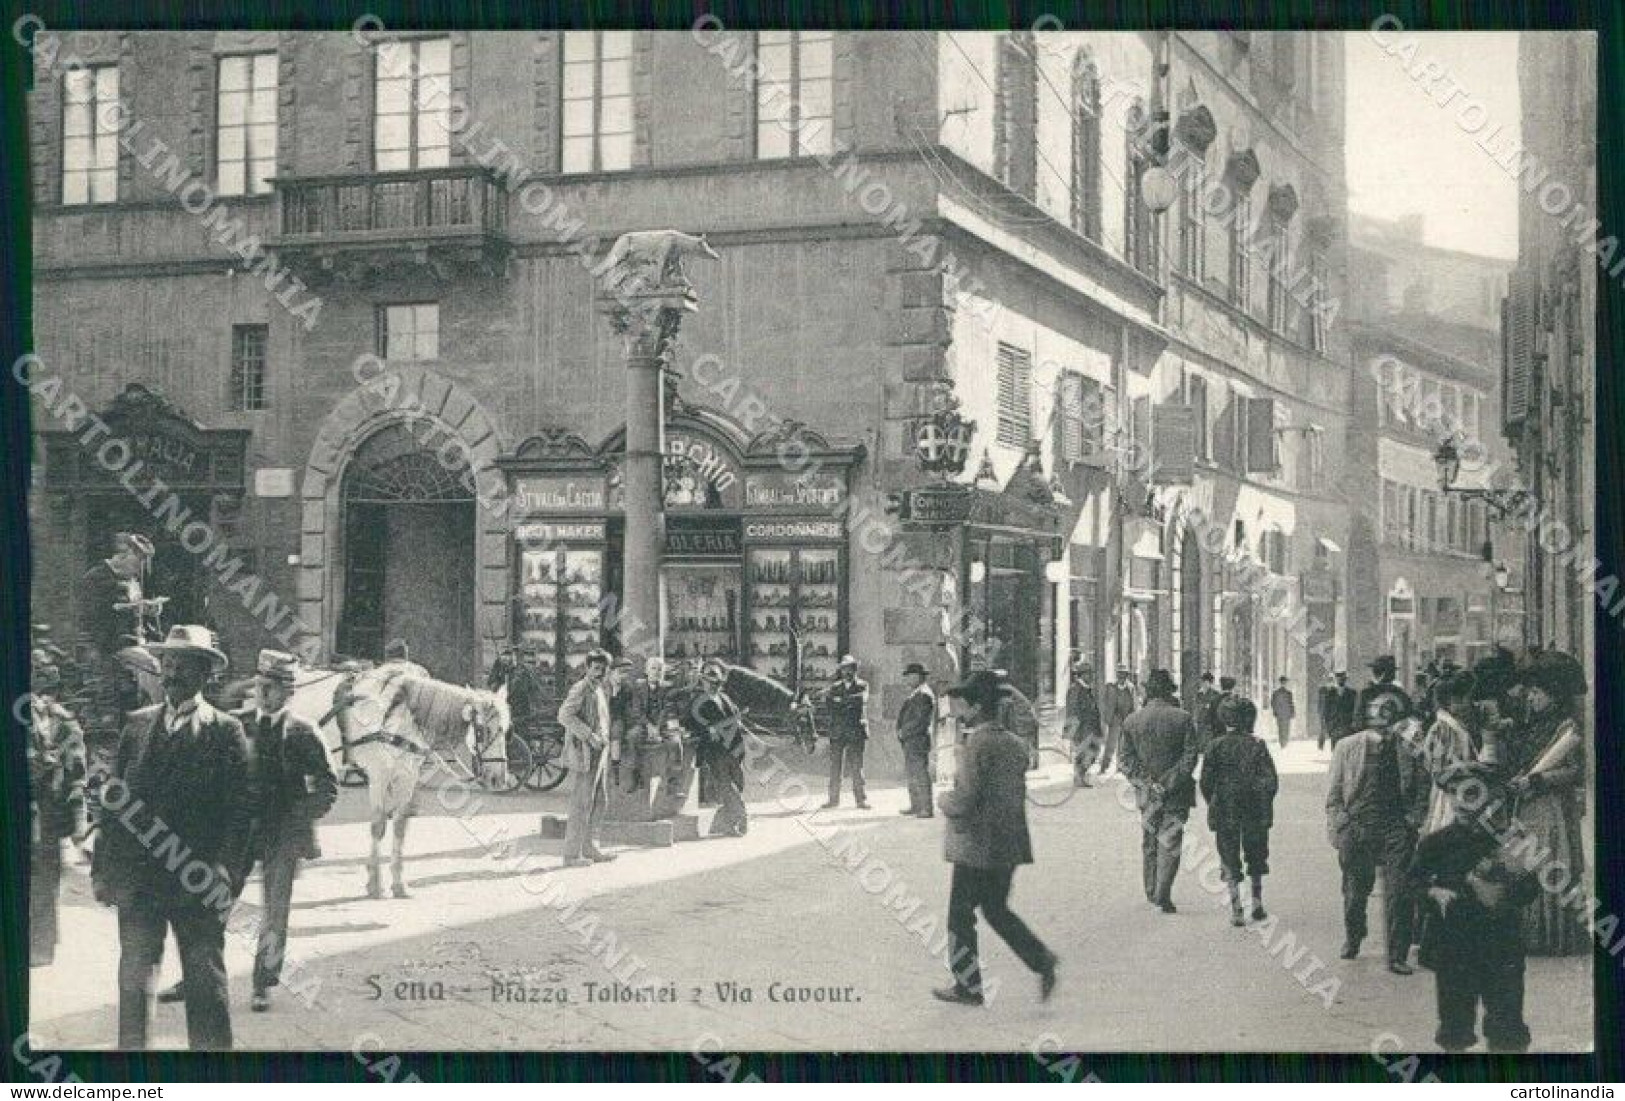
1239, 784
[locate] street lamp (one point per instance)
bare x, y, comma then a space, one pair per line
1448, 461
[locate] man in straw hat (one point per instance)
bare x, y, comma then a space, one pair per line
295, 786
585, 716
987, 840
1159, 757
848, 700
176, 816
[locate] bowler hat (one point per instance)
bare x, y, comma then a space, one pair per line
277, 666
848, 660
915, 669
1383, 663
190, 638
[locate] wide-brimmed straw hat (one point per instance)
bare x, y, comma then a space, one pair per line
190, 638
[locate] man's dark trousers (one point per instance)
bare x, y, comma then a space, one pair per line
851, 753
917, 767
987, 889
201, 935
1362, 852
277, 871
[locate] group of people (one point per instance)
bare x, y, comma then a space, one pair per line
1458, 800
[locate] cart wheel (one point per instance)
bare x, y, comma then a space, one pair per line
520, 764
548, 771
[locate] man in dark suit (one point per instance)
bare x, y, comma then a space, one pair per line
1337, 702
848, 700
1285, 709
1201, 705
1082, 721
111, 612
1159, 757
177, 811
986, 841
1383, 672
296, 786
917, 731
1117, 703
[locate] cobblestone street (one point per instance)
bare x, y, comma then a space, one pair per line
820, 911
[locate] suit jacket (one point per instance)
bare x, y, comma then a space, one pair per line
586, 726
1239, 782
848, 706
1116, 703
186, 800
1351, 757
917, 720
987, 808
647, 708
1082, 712
1337, 708
716, 727
1282, 705
293, 780
1160, 746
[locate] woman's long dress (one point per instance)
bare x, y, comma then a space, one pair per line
1551, 814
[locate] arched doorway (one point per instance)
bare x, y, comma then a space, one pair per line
1193, 630
409, 555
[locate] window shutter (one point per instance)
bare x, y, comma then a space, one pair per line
1015, 396
1258, 416
1521, 317
1173, 442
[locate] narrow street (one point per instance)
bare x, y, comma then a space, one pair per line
807, 905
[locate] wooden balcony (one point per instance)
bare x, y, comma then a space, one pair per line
357, 226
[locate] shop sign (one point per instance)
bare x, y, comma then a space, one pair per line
699, 474
560, 493
938, 505
702, 537
781, 489
1319, 587
581, 531
793, 531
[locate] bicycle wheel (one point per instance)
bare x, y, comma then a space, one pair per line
547, 770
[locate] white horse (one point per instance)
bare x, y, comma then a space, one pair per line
390, 722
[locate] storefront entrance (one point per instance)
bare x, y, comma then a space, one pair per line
409, 556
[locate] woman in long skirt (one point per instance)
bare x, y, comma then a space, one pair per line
1549, 783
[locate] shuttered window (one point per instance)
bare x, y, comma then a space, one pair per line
1015, 144
1241, 261
1081, 423
1086, 164
1015, 396
1521, 317
1196, 398
1258, 420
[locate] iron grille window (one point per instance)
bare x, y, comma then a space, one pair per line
248, 343
795, 93
90, 135
1280, 316
597, 104
412, 105
245, 123
1015, 396
409, 331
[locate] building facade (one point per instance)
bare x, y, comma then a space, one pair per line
1549, 361
339, 293
1426, 344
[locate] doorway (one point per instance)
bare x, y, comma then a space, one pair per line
1192, 618
174, 572
409, 555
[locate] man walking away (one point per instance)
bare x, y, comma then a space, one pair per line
719, 740
1082, 721
1284, 708
295, 786
986, 840
1383, 672
1200, 705
848, 700
1337, 703
1239, 784
917, 731
1370, 790
180, 782
1159, 757
585, 716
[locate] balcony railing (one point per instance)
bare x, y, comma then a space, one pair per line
425, 202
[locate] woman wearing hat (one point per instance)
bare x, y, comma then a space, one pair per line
1549, 786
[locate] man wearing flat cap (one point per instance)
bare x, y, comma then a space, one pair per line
1160, 748
917, 731
176, 818
987, 839
295, 786
848, 700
